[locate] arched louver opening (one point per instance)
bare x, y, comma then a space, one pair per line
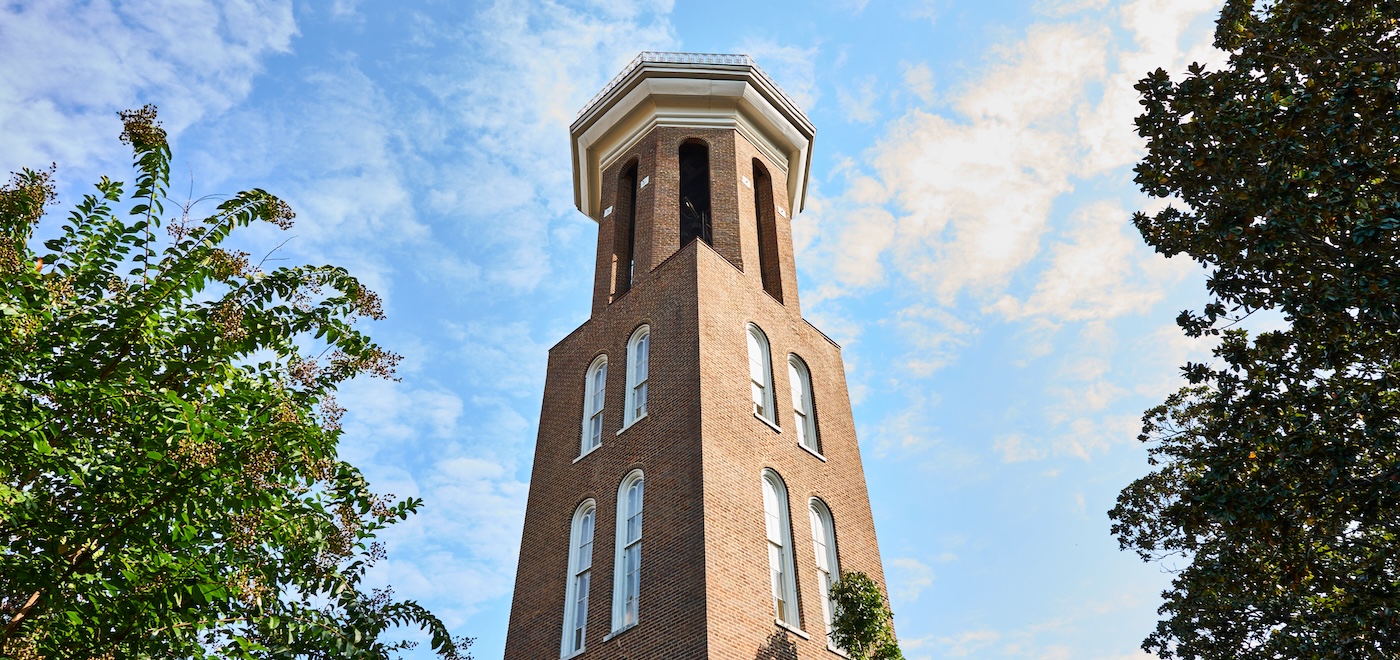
625, 230
695, 192
767, 231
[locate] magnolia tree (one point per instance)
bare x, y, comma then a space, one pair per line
1276, 470
169, 485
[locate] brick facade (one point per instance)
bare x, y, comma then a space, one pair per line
704, 563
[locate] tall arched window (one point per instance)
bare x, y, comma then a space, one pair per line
800, 380
580, 569
780, 563
638, 357
761, 375
627, 568
828, 568
625, 229
694, 192
595, 390
767, 231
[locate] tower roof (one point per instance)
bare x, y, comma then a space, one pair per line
702, 90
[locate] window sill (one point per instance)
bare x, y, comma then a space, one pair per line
804, 448
590, 451
575, 654
767, 421
791, 628
615, 633
630, 424
837, 651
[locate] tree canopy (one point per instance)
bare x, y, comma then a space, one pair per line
169, 483
863, 625
1276, 469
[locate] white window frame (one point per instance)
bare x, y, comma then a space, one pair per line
825, 559
580, 566
625, 585
594, 402
761, 384
638, 376
804, 417
781, 577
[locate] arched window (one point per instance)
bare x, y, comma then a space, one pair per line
638, 356
767, 231
761, 375
800, 380
780, 563
694, 192
627, 568
828, 568
625, 229
595, 390
580, 568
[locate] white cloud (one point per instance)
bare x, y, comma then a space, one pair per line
920, 81
910, 578
1097, 271
794, 68
936, 336
975, 195
70, 66
858, 106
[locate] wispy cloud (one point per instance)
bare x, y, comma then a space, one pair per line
70, 66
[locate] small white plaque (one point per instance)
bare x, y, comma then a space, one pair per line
747, 183
782, 211
645, 181
607, 212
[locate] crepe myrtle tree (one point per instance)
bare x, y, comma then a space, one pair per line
1275, 477
863, 625
169, 484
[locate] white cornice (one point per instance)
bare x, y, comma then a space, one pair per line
685, 90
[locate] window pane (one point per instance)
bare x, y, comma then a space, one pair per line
799, 402
640, 396
779, 584
595, 429
581, 610
600, 379
759, 396
643, 346
756, 355
770, 514
585, 548
632, 588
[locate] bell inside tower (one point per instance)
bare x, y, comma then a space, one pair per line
695, 192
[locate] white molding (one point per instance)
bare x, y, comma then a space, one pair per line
791, 628
652, 94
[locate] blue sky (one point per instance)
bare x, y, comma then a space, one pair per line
966, 240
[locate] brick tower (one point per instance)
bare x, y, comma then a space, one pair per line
695, 392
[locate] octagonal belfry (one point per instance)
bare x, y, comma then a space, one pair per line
695, 392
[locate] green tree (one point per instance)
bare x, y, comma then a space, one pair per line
169, 486
1276, 469
863, 625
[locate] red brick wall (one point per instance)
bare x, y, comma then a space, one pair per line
704, 586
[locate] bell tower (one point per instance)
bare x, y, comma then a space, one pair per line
695, 393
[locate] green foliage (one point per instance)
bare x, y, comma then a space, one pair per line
169, 486
1277, 468
863, 625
